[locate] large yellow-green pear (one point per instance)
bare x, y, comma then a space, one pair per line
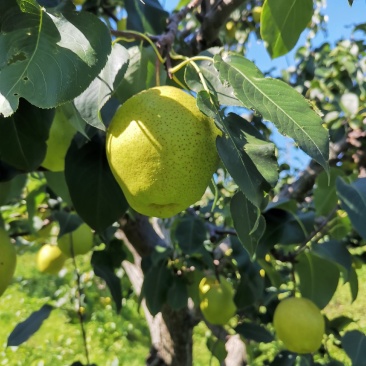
50, 259
80, 239
162, 151
8, 260
217, 300
299, 324
59, 139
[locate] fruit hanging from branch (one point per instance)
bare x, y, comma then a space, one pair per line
50, 259
216, 300
299, 324
161, 150
77, 242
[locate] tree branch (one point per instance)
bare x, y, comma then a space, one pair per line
298, 190
141, 234
211, 22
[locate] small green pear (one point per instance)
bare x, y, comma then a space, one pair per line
217, 300
77, 242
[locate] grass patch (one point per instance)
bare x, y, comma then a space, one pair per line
112, 339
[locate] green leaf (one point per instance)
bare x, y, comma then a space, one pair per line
239, 253
277, 102
34, 199
282, 22
146, 16
72, 116
155, 287
353, 283
254, 332
284, 358
340, 226
182, 3
91, 101
354, 343
224, 94
5, 188
190, 233
250, 290
7, 171
272, 273
284, 227
29, 326
48, 57
23, 136
140, 74
353, 201
249, 160
248, 222
57, 183
96, 195
67, 222
217, 348
193, 279
12, 189
103, 266
231, 148
340, 322
318, 278
325, 194
177, 295
336, 252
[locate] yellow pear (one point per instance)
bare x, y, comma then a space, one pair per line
122, 24
299, 324
80, 239
78, 2
216, 300
162, 151
60, 136
256, 14
230, 29
8, 261
50, 259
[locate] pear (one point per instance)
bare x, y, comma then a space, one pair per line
216, 300
80, 240
50, 259
162, 151
60, 136
299, 324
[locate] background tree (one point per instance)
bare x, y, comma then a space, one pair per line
262, 229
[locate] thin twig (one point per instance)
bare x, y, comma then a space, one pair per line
78, 297
291, 257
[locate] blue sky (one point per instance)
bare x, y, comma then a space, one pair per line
342, 17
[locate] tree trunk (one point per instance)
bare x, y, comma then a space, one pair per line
171, 331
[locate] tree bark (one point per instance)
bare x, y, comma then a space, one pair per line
171, 331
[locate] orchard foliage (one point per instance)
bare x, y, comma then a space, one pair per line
269, 232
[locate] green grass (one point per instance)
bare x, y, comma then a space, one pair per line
111, 337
